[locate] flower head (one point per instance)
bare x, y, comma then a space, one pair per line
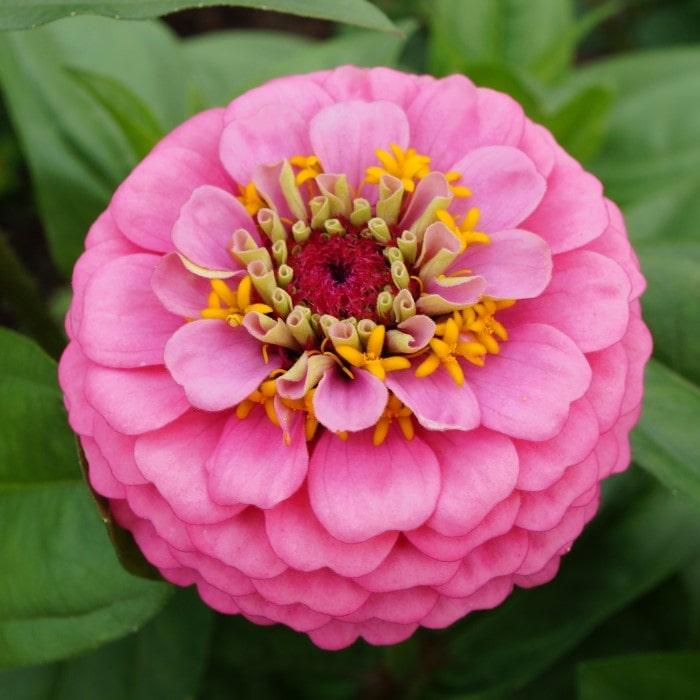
354, 353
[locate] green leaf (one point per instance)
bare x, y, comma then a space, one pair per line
643, 677
652, 143
77, 152
666, 441
227, 64
498, 31
670, 303
22, 14
166, 659
135, 119
619, 559
61, 588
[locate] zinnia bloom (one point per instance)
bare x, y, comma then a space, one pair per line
354, 353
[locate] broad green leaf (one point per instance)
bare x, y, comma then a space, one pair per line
670, 303
643, 677
666, 441
623, 556
132, 115
226, 64
62, 590
77, 152
21, 14
166, 659
652, 142
497, 31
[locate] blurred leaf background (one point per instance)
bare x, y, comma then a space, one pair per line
83, 98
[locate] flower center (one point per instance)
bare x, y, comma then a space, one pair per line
340, 274
352, 286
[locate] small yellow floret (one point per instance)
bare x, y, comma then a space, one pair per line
309, 167
464, 230
394, 410
408, 166
229, 305
250, 199
371, 360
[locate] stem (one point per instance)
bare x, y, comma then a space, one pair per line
25, 302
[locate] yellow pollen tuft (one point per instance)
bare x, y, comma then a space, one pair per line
457, 190
229, 305
263, 396
464, 230
372, 359
394, 410
408, 166
309, 167
250, 198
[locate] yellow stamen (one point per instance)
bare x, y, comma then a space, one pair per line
464, 230
250, 199
371, 360
408, 166
394, 410
309, 167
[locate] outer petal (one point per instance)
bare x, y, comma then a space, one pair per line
586, 299
572, 212
71, 376
180, 291
341, 403
526, 390
254, 464
352, 83
217, 365
148, 202
358, 490
204, 229
301, 541
135, 400
505, 185
124, 324
345, 136
173, 459
401, 607
436, 401
479, 469
515, 264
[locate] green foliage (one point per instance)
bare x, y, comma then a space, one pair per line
21, 14
62, 590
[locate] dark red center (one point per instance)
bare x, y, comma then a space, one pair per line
340, 275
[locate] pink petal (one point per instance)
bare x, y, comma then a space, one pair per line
358, 491
180, 291
204, 229
345, 136
501, 119
100, 475
254, 463
436, 401
272, 134
550, 543
638, 345
147, 503
148, 202
515, 264
352, 83
572, 212
443, 118
173, 459
525, 391
505, 186
543, 463
217, 599
499, 521
118, 450
200, 133
539, 144
498, 557
586, 299
226, 578
608, 386
104, 230
322, 591
479, 469
71, 376
135, 400
297, 616
217, 365
341, 403
300, 540
378, 632
124, 324
449, 610
406, 567
298, 90
542, 510
544, 576
240, 542
335, 635
400, 607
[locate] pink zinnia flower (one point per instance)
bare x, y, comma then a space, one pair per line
354, 353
